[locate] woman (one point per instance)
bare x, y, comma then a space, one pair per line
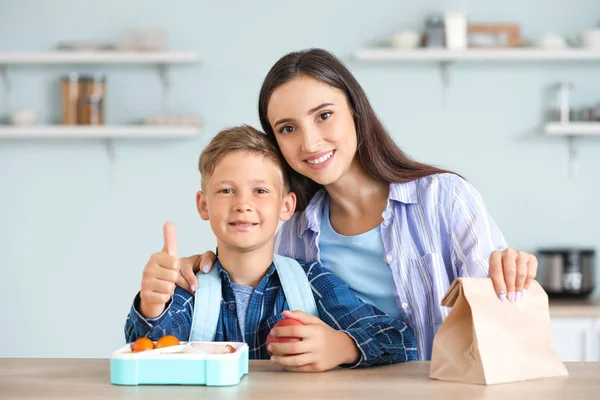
397, 231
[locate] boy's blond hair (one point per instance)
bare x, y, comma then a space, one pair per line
241, 138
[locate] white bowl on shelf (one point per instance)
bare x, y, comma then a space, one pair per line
551, 42
405, 40
23, 117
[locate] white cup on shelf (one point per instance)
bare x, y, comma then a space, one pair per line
456, 25
590, 38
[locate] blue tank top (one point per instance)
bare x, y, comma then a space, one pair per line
359, 261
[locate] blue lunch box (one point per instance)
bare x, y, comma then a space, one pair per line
190, 363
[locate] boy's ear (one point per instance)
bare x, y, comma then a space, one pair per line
202, 206
288, 207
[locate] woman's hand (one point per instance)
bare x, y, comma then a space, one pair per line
321, 347
512, 271
190, 266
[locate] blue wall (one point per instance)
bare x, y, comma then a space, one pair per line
77, 229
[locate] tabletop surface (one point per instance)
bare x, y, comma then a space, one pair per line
90, 378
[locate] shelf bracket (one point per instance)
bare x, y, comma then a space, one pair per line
574, 142
111, 151
165, 79
445, 78
7, 85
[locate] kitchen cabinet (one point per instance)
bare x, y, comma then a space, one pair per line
596, 336
576, 338
575, 329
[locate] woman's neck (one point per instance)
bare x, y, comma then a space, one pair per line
357, 194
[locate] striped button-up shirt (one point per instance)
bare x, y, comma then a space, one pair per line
434, 230
379, 338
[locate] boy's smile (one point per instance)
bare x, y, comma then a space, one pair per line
243, 226
243, 199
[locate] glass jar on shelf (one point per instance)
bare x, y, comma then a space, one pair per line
91, 102
91, 110
70, 98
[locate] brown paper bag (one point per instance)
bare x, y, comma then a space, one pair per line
486, 341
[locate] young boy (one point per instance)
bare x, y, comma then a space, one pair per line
245, 192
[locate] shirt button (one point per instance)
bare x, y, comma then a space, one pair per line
386, 214
232, 306
371, 352
386, 222
404, 306
389, 258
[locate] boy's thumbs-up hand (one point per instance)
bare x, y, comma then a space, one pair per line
160, 275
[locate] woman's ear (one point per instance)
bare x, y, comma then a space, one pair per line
202, 206
288, 206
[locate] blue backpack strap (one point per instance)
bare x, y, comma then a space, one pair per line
207, 306
295, 284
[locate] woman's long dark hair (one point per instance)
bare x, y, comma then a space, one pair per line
378, 155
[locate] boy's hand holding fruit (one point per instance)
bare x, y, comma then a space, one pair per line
309, 344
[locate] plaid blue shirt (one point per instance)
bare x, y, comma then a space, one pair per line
379, 338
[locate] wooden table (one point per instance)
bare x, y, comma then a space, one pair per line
89, 378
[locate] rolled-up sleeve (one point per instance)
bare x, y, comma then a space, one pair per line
473, 232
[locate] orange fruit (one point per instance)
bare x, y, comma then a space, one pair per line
280, 323
142, 344
167, 341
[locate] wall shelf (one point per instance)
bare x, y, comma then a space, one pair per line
573, 128
446, 55
96, 132
97, 57
573, 132
161, 60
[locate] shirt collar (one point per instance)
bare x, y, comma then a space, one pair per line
404, 192
311, 216
225, 278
